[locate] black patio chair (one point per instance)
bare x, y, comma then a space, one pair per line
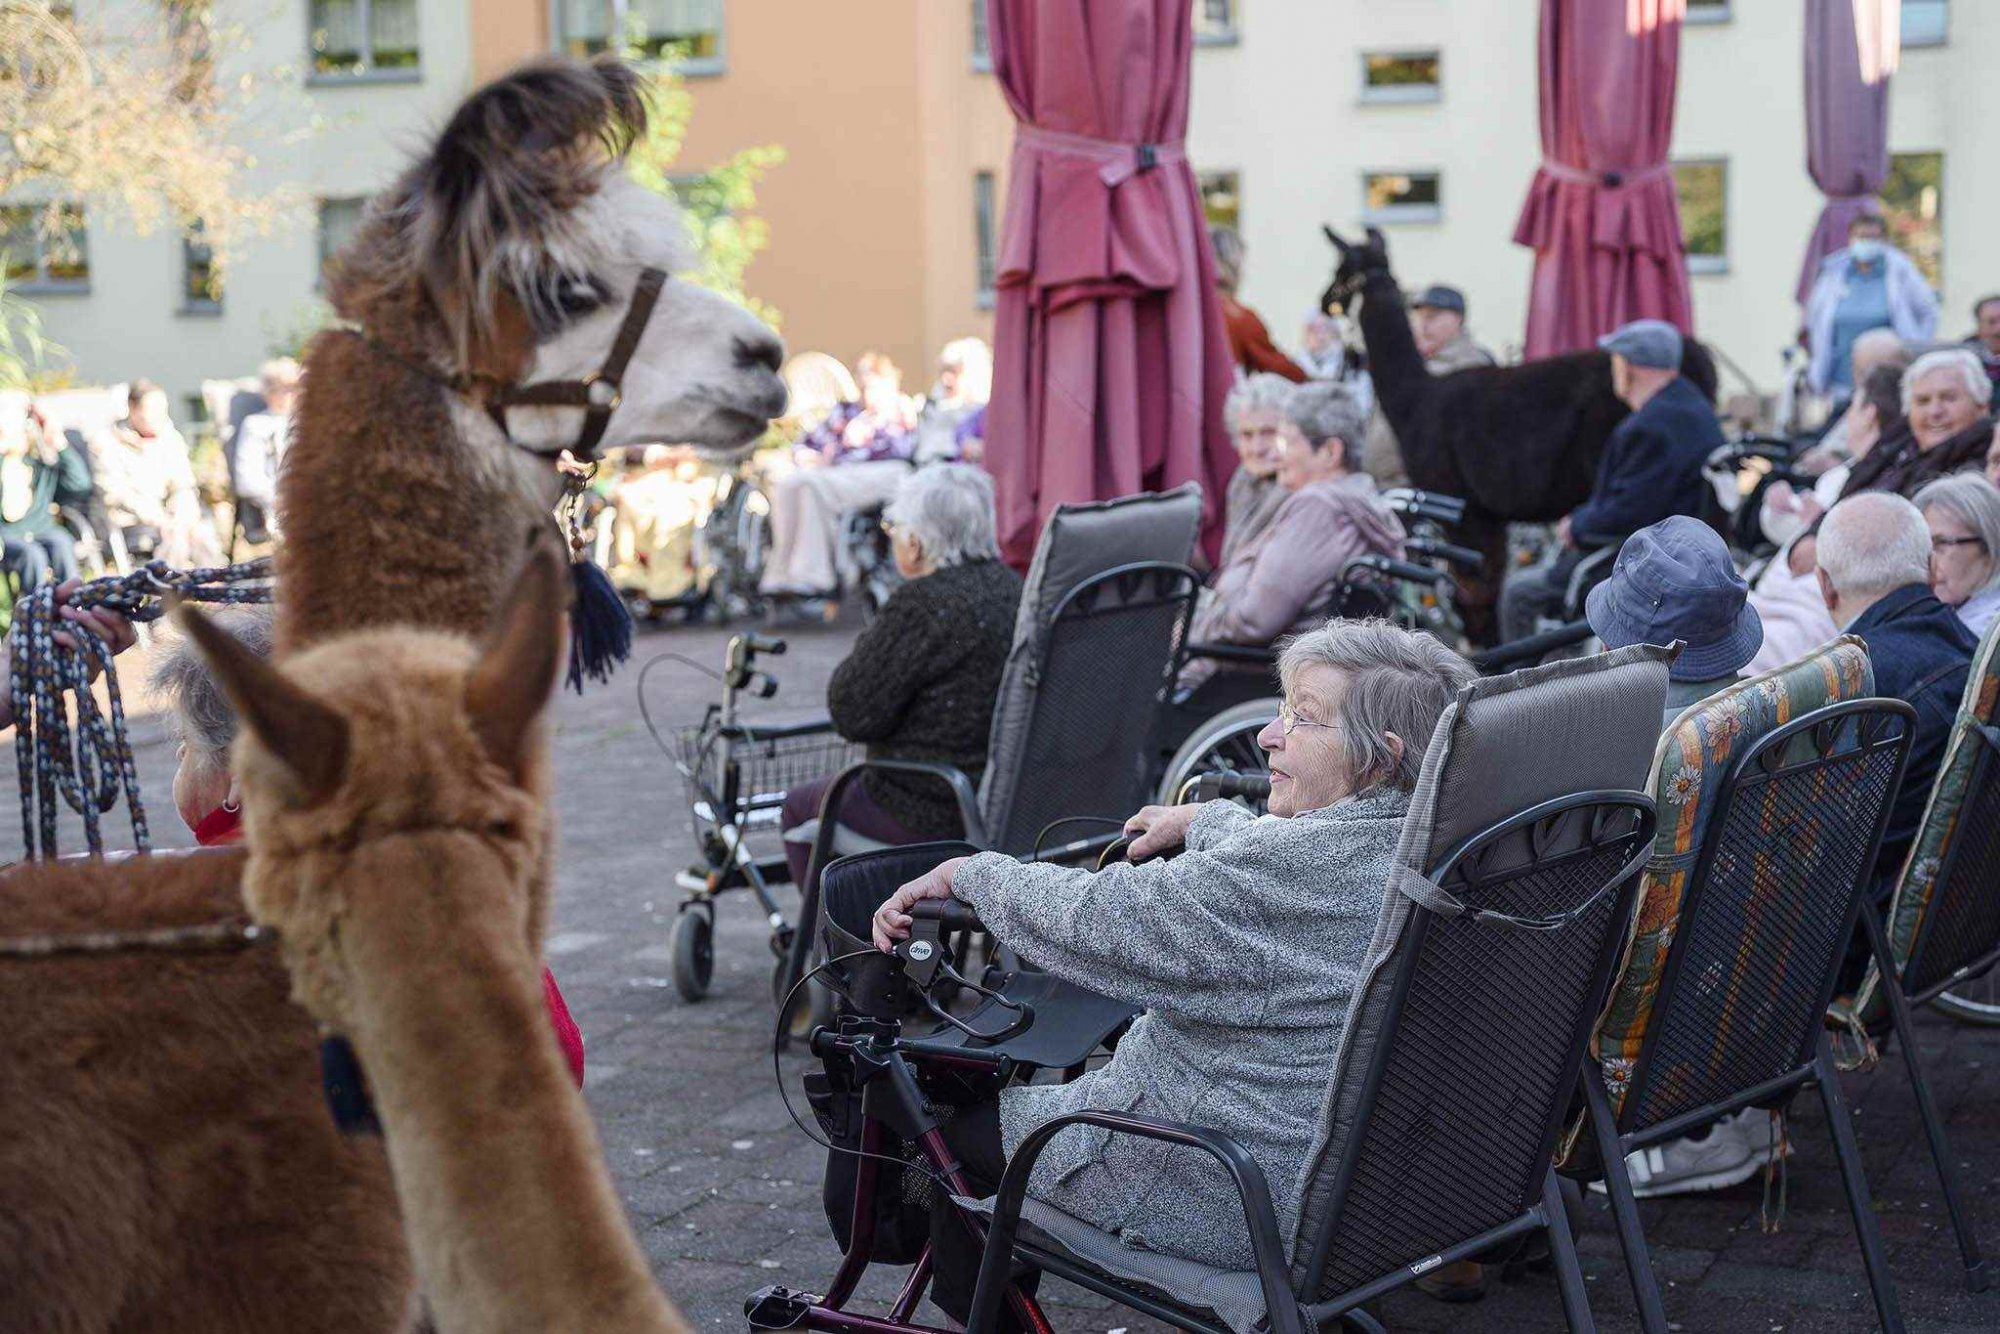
1494, 948
1738, 1017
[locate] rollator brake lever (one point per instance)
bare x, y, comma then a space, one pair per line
926, 958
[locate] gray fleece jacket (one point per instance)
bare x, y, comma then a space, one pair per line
1245, 952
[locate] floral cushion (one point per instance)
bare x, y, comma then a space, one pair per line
1917, 884
1694, 755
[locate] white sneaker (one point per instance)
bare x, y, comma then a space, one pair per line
1724, 1154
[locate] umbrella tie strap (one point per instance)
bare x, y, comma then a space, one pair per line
1611, 179
1118, 162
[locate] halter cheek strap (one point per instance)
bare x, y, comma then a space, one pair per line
599, 394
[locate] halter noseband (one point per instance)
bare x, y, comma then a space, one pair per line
598, 394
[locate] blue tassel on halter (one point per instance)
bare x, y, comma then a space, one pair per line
600, 626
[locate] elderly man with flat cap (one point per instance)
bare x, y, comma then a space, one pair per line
1651, 468
1437, 322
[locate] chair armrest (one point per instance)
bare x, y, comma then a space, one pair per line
778, 732
1260, 655
1388, 568
1436, 549
1499, 659
1281, 1307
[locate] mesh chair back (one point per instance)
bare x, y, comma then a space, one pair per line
1946, 916
1506, 745
1768, 911
1078, 544
1489, 1021
1094, 703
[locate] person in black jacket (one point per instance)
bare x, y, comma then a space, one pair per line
920, 682
1651, 467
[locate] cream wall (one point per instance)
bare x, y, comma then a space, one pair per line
130, 322
1283, 108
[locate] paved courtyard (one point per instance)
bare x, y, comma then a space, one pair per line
724, 1190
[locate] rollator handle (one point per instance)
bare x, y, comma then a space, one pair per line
949, 914
759, 644
926, 958
1212, 786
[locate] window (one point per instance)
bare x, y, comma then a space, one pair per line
1703, 188
1400, 76
982, 39
44, 253
1913, 199
1401, 196
1221, 198
358, 39
338, 220
985, 236
1215, 22
1707, 11
201, 285
687, 33
1925, 22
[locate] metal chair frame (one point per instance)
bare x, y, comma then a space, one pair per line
1616, 1134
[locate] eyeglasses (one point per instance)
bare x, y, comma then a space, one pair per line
1947, 543
1290, 719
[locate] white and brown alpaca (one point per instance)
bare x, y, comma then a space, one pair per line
166, 1158
395, 791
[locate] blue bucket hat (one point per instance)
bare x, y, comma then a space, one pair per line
1675, 581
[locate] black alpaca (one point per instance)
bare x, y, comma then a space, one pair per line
1519, 443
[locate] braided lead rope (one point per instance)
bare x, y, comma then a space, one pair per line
229, 934
97, 766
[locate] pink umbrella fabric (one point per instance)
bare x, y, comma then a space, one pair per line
1852, 47
1602, 215
1110, 358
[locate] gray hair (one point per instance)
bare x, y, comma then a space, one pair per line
1874, 543
974, 361
1324, 410
949, 506
1879, 347
1960, 359
1396, 681
1227, 243
1974, 502
199, 715
1262, 392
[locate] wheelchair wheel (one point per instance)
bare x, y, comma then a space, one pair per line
1976, 1002
694, 951
1226, 743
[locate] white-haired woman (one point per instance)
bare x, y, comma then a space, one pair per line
1254, 412
964, 383
1948, 401
1331, 514
1244, 952
919, 683
1963, 514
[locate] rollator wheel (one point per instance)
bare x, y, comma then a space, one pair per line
694, 952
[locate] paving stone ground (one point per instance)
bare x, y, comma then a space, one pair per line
724, 1190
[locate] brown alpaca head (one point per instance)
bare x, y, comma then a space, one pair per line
398, 738
511, 251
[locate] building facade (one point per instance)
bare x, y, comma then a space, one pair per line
1419, 116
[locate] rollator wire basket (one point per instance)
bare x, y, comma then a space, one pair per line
767, 766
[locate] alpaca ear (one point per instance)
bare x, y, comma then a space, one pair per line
306, 736
1333, 237
1377, 240
510, 685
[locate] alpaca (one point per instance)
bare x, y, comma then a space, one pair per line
508, 254
395, 792
1518, 443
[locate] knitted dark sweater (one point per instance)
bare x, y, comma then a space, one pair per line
919, 685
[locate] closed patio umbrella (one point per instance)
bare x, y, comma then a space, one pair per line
1110, 359
1851, 49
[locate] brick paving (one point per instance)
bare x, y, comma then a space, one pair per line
724, 1191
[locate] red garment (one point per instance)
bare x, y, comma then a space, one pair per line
1110, 362
1250, 343
224, 825
1602, 215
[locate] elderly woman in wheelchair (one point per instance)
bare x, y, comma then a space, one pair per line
1242, 955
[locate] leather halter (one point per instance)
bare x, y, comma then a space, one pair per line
598, 393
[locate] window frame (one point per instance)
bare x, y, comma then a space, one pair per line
985, 239
190, 303
1402, 94
1397, 215
1227, 36
1709, 15
693, 67
1943, 182
42, 284
1705, 265
326, 253
368, 73
1941, 36
982, 47
1217, 175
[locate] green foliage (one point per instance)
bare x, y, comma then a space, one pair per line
28, 359
719, 204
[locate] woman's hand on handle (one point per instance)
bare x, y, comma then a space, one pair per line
892, 919
1158, 829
